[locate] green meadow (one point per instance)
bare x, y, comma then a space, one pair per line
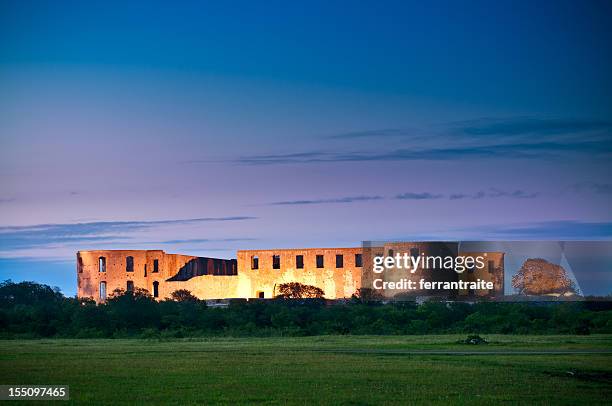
357, 370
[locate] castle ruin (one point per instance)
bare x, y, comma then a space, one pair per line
254, 274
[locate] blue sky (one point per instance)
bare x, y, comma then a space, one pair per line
207, 127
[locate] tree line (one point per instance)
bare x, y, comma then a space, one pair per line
32, 310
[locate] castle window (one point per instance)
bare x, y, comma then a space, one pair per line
254, 262
156, 265
102, 264
491, 266
391, 253
275, 261
339, 261
130, 286
260, 295
155, 289
319, 261
129, 264
145, 270
102, 291
414, 252
358, 260
299, 261
80, 264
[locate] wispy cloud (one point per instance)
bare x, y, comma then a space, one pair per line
594, 187
539, 150
515, 126
202, 240
568, 230
41, 235
418, 196
379, 133
106, 226
350, 199
494, 193
510, 138
483, 194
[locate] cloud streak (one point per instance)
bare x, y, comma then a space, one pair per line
418, 196
201, 240
518, 126
105, 226
44, 235
381, 133
494, 193
564, 229
486, 138
350, 199
594, 187
536, 150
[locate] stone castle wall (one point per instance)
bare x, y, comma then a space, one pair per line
153, 270
254, 274
211, 278
493, 270
336, 281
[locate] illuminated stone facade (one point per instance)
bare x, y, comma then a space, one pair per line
254, 274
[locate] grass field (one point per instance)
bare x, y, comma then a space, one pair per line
332, 370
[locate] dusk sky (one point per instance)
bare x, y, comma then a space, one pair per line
205, 128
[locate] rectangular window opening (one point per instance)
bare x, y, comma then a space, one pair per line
358, 260
320, 262
275, 261
339, 261
299, 261
414, 252
129, 264
102, 291
254, 262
